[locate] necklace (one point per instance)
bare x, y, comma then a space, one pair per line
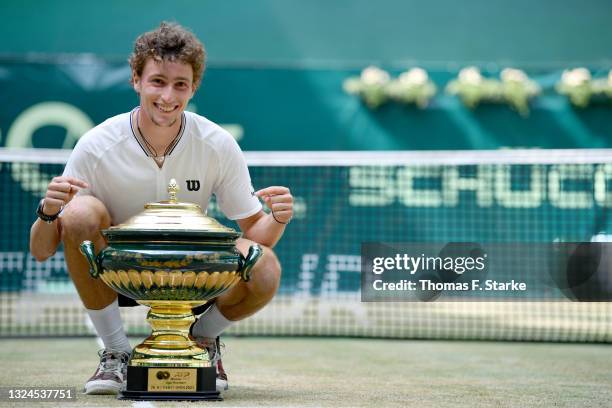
159, 159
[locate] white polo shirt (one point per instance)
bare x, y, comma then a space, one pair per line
206, 160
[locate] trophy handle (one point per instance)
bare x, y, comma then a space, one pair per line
246, 263
87, 249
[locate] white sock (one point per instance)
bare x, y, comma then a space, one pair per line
109, 327
211, 324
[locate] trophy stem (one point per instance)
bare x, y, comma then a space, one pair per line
170, 344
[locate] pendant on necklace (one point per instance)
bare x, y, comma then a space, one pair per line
159, 160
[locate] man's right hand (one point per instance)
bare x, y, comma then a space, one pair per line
59, 193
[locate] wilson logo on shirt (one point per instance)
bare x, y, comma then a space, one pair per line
193, 185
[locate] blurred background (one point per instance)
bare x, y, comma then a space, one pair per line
276, 69
323, 97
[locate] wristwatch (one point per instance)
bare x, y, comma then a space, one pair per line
46, 218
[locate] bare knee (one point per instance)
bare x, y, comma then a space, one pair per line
82, 219
266, 275
247, 298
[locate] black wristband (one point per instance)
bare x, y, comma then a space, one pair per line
46, 218
276, 219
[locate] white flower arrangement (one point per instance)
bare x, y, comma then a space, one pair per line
579, 86
514, 88
412, 87
375, 87
370, 86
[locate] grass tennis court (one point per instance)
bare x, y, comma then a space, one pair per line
341, 372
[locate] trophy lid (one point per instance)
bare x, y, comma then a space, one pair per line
171, 218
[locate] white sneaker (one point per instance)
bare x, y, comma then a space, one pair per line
110, 376
214, 346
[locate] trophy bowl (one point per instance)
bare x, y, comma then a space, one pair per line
171, 258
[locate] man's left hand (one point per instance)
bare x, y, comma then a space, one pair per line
280, 201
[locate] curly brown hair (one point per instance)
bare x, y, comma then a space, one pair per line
169, 42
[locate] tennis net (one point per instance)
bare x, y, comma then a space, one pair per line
345, 199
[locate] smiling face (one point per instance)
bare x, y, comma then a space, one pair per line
165, 88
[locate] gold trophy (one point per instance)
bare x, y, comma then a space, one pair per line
172, 258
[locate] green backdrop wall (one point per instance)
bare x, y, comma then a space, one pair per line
324, 32
52, 104
276, 69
